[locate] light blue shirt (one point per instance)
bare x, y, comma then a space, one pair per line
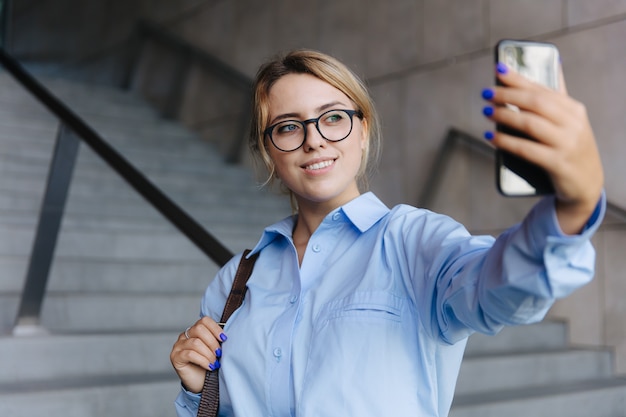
375, 320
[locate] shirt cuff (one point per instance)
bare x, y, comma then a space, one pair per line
187, 399
598, 214
569, 259
554, 229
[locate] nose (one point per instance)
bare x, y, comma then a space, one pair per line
313, 137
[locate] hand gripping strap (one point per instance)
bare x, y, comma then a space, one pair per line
210, 399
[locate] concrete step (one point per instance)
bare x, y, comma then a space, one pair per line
25, 173
38, 115
532, 369
92, 244
120, 396
69, 88
24, 212
544, 336
84, 100
74, 312
104, 192
603, 398
229, 218
17, 131
110, 187
39, 144
122, 244
112, 276
123, 105
83, 356
85, 312
162, 135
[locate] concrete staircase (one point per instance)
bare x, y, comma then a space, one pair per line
124, 282
532, 371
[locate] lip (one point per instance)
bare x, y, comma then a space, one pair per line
319, 165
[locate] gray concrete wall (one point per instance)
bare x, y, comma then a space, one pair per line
426, 62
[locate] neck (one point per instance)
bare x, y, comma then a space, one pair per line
310, 216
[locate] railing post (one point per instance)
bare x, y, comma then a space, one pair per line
178, 81
133, 58
59, 177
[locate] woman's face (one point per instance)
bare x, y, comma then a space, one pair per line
320, 171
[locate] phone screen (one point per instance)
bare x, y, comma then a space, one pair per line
538, 61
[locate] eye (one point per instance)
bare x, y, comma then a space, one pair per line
287, 128
333, 117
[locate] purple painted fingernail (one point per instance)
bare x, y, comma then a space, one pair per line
502, 68
218, 352
211, 367
217, 364
488, 111
489, 135
223, 337
487, 93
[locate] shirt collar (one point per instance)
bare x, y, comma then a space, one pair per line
363, 212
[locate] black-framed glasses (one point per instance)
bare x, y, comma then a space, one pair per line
333, 125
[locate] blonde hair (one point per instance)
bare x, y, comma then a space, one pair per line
327, 69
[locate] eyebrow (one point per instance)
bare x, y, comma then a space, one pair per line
318, 110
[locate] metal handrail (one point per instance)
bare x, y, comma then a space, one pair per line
616, 211
455, 138
32, 297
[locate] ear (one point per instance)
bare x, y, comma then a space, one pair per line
364, 133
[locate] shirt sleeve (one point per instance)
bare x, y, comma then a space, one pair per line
533, 264
473, 283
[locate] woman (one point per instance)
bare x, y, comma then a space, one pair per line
355, 309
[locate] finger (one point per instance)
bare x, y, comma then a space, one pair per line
198, 345
557, 108
528, 150
199, 356
530, 124
205, 330
562, 86
191, 358
213, 327
191, 365
511, 78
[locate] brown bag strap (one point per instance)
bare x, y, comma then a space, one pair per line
210, 399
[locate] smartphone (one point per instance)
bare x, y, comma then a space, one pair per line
539, 61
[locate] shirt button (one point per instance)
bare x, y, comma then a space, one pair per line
317, 248
278, 353
336, 216
293, 299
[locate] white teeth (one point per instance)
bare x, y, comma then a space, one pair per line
320, 165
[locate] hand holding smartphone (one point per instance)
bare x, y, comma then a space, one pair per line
538, 61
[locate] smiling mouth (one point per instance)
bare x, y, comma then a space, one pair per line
320, 165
